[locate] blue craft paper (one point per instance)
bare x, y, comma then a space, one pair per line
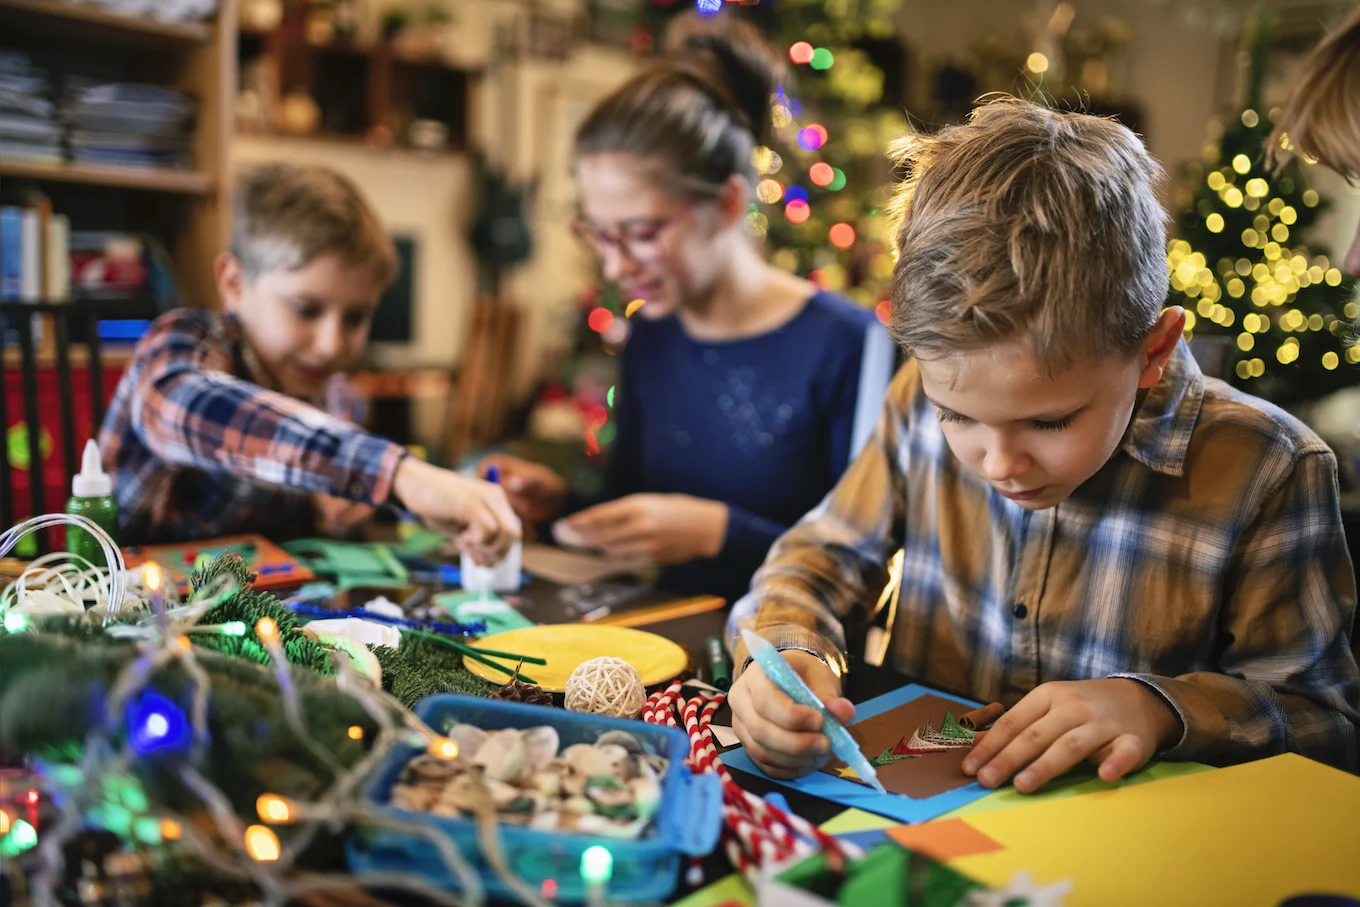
852, 794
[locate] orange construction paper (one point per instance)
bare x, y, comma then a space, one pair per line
945, 840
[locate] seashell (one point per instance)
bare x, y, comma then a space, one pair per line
578, 805
547, 782
546, 821
469, 738
658, 764
502, 755
620, 738
608, 793
646, 795
588, 760
432, 768
502, 794
467, 793
614, 756
540, 748
406, 796
592, 824
574, 784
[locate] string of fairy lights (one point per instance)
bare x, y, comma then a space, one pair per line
1269, 273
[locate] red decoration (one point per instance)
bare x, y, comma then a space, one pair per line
821, 173
883, 311
797, 211
600, 319
801, 53
842, 236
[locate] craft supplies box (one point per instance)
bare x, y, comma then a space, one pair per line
645, 869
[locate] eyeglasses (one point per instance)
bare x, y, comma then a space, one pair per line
641, 241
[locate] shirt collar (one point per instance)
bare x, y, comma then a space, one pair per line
1159, 435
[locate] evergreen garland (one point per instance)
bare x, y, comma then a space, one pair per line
248, 605
421, 668
54, 688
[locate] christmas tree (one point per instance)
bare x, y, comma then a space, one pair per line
1242, 266
824, 177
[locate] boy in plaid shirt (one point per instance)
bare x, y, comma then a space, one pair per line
244, 421
1135, 559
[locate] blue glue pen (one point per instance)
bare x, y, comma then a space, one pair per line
782, 674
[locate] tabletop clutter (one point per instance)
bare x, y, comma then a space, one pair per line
568, 763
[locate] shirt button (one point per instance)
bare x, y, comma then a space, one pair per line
356, 488
1020, 611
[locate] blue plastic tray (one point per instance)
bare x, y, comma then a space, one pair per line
647, 869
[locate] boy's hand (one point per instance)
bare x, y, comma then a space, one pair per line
653, 528
478, 511
1119, 724
535, 491
782, 737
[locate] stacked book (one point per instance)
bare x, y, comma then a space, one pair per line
128, 125
29, 128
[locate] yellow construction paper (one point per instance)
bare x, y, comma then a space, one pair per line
565, 646
1246, 835
855, 820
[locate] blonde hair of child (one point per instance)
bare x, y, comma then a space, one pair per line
1028, 221
289, 215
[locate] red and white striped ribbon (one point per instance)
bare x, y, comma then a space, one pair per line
756, 834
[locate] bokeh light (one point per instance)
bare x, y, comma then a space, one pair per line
600, 319
801, 53
822, 59
821, 173
797, 211
842, 236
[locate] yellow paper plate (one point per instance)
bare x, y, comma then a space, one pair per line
565, 646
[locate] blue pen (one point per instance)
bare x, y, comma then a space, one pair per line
493, 475
782, 674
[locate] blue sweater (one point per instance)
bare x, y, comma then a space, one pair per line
762, 424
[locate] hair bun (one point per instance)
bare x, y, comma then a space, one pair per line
734, 60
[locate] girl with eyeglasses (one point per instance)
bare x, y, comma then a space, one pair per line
739, 381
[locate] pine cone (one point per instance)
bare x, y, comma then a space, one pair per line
519, 691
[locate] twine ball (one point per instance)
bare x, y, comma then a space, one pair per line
606, 686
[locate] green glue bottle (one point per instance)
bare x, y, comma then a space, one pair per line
91, 497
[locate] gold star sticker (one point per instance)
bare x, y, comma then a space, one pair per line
846, 771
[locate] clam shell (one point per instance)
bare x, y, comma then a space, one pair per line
546, 821
615, 757
502, 756
502, 794
432, 768
540, 748
620, 738
578, 805
469, 738
547, 782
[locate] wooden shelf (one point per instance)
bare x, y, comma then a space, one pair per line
182, 182
82, 20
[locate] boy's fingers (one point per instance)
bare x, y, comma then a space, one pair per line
1124, 755
841, 708
1026, 746
770, 753
794, 747
1065, 752
1026, 712
779, 709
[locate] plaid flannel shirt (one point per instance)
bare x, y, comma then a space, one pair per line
197, 449
1206, 559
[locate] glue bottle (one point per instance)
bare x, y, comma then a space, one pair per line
501, 577
91, 497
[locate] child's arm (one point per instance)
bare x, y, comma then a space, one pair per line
190, 411
1287, 679
816, 574
833, 560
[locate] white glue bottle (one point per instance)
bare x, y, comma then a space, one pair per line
502, 577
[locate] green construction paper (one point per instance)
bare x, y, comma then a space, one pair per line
420, 542
461, 606
729, 889
855, 820
888, 876
1078, 781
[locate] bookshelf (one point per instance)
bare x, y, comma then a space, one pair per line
83, 21
187, 210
